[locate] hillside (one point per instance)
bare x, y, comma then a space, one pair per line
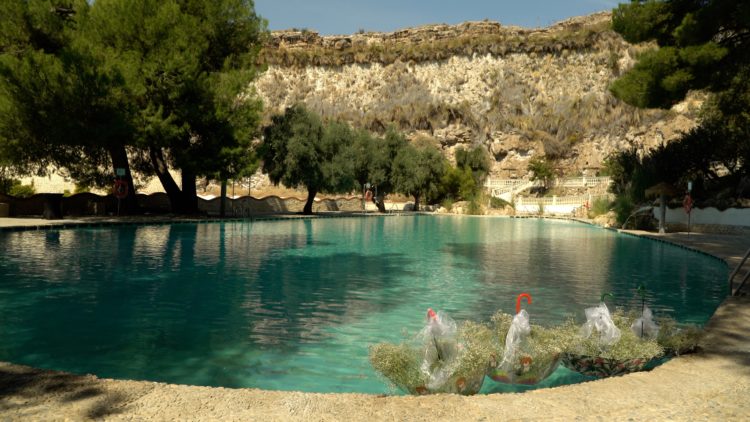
520, 93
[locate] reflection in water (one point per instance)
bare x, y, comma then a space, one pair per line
294, 304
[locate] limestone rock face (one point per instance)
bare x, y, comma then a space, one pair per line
519, 93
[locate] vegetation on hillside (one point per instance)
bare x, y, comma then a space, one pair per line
702, 45
532, 103
300, 149
388, 50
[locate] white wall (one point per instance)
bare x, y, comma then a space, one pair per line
708, 216
548, 209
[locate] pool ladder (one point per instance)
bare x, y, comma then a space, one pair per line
737, 269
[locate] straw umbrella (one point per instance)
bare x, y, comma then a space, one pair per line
662, 190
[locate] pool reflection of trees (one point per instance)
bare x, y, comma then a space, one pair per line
146, 291
571, 270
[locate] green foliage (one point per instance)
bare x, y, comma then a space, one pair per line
541, 170
162, 78
473, 207
6, 179
600, 206
640, 21
477, 160
382, 167
54, 99
417, 171
702, 45
457, 183
498, 203
81, 188
20, 190
297, 150
624, 205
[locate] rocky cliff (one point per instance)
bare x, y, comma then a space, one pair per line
520, 93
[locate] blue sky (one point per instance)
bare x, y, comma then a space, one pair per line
348, 16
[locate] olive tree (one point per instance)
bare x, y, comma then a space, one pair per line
297, 150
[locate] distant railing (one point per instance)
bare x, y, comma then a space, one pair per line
498, 187
562, 205
504, 183
582, 182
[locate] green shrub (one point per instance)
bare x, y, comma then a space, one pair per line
623, 207
20, 190
81, 188
599, 207
473, 207
498, 203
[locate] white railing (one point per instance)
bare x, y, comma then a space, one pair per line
555, 204
502, 187
583, 182
502, 183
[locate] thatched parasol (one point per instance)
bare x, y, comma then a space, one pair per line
662, 190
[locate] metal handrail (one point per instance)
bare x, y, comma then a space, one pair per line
734, 273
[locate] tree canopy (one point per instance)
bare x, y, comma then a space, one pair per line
297, 150
417, 170
161, 82
703, 44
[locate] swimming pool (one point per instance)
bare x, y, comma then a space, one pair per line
293, 305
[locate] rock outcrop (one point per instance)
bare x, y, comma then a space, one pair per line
520, 93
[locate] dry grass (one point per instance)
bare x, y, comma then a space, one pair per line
628, 347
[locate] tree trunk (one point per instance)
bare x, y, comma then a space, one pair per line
119, 158
310, 198
416, 202
162, 172
380, 204
189, 193
223, 204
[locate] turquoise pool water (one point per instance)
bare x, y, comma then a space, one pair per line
293, 305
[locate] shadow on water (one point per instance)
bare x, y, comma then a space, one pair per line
186, 303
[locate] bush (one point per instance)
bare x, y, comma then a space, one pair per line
498, 203
473, 207
623, 207
20, 190
599, 207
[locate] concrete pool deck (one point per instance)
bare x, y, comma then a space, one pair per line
711, 385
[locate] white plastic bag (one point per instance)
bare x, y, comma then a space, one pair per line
599, 320
645, 327
517, 333
440, 349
